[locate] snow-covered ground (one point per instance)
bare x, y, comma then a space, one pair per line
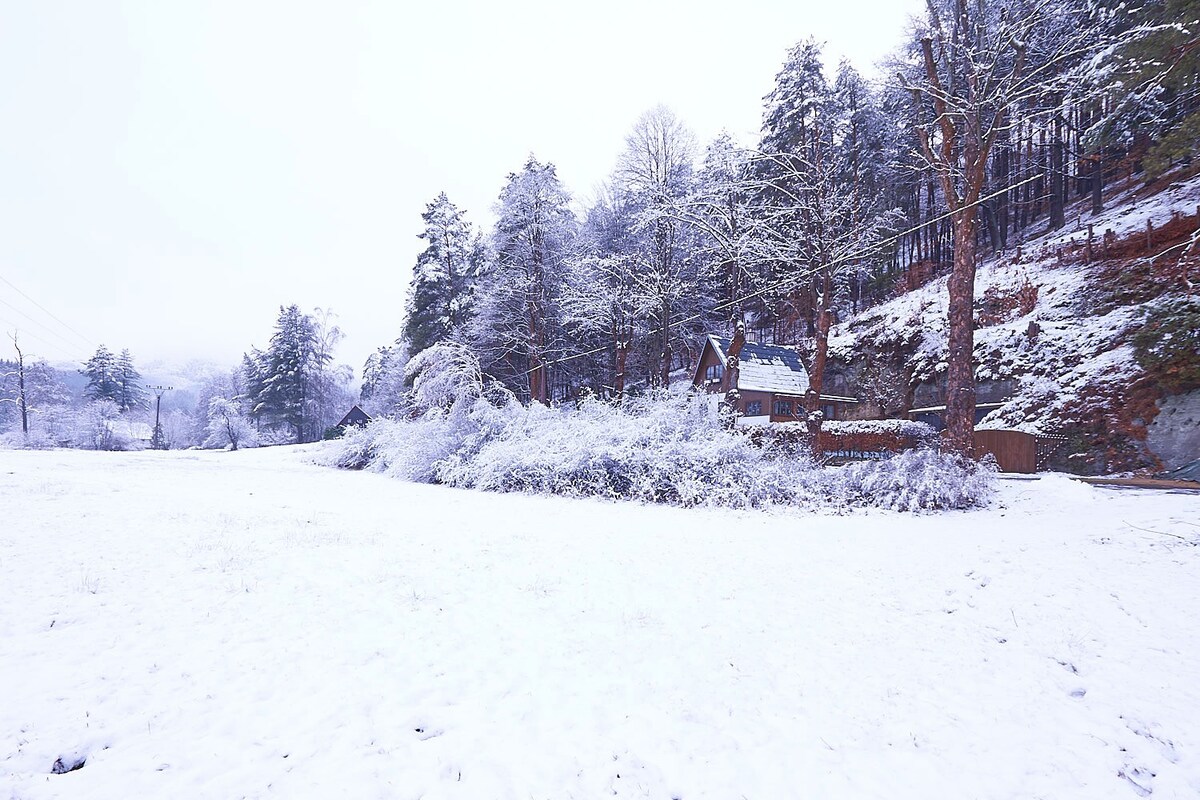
222, 625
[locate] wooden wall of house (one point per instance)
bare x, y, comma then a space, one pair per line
708, 358
751, 397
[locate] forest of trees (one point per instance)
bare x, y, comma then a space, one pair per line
985, 124
290, 392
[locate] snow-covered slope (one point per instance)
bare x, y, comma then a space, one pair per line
1075, 369
217, 625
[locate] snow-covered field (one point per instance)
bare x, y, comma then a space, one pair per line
223, 625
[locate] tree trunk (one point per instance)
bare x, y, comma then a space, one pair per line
816, 379
22, 402
622, 348
960, 376
1057, 178
537, 370
666, 344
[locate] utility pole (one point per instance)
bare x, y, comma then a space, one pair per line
157, 440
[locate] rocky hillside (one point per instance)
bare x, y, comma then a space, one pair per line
1091, 336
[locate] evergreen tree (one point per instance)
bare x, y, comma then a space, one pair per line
129, 391
792, 107
285, 374
797, 134
440, 295
253, 378
1154, 78
103, 376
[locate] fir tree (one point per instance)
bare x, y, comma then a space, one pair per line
289, 367
102, 374
440, 295
129, 392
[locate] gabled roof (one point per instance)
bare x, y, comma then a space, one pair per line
355, 416
766, 367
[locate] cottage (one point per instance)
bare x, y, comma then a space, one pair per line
354, 417
772, 382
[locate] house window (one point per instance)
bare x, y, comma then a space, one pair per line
827, 411
714, 373
753, 408
782, 408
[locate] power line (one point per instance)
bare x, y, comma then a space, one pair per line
82, 338
55, 347
41, 325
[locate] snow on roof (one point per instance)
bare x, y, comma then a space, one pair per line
767, 367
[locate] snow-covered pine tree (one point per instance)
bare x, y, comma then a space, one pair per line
287, 371
517, 327
374, 368
384, 387
817, 202
103, 376
252, 377
796, 133
860, 153
440, 294
130, 394
1153, 82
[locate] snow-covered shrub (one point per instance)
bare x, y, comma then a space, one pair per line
919, 480
228, 426
662, 447
356, 447
98, 427
456, 409
919, 431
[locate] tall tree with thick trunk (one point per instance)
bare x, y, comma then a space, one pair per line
977, 61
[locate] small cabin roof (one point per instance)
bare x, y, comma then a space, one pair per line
355, 416
766, 367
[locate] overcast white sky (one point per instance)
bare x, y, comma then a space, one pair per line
172, 172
